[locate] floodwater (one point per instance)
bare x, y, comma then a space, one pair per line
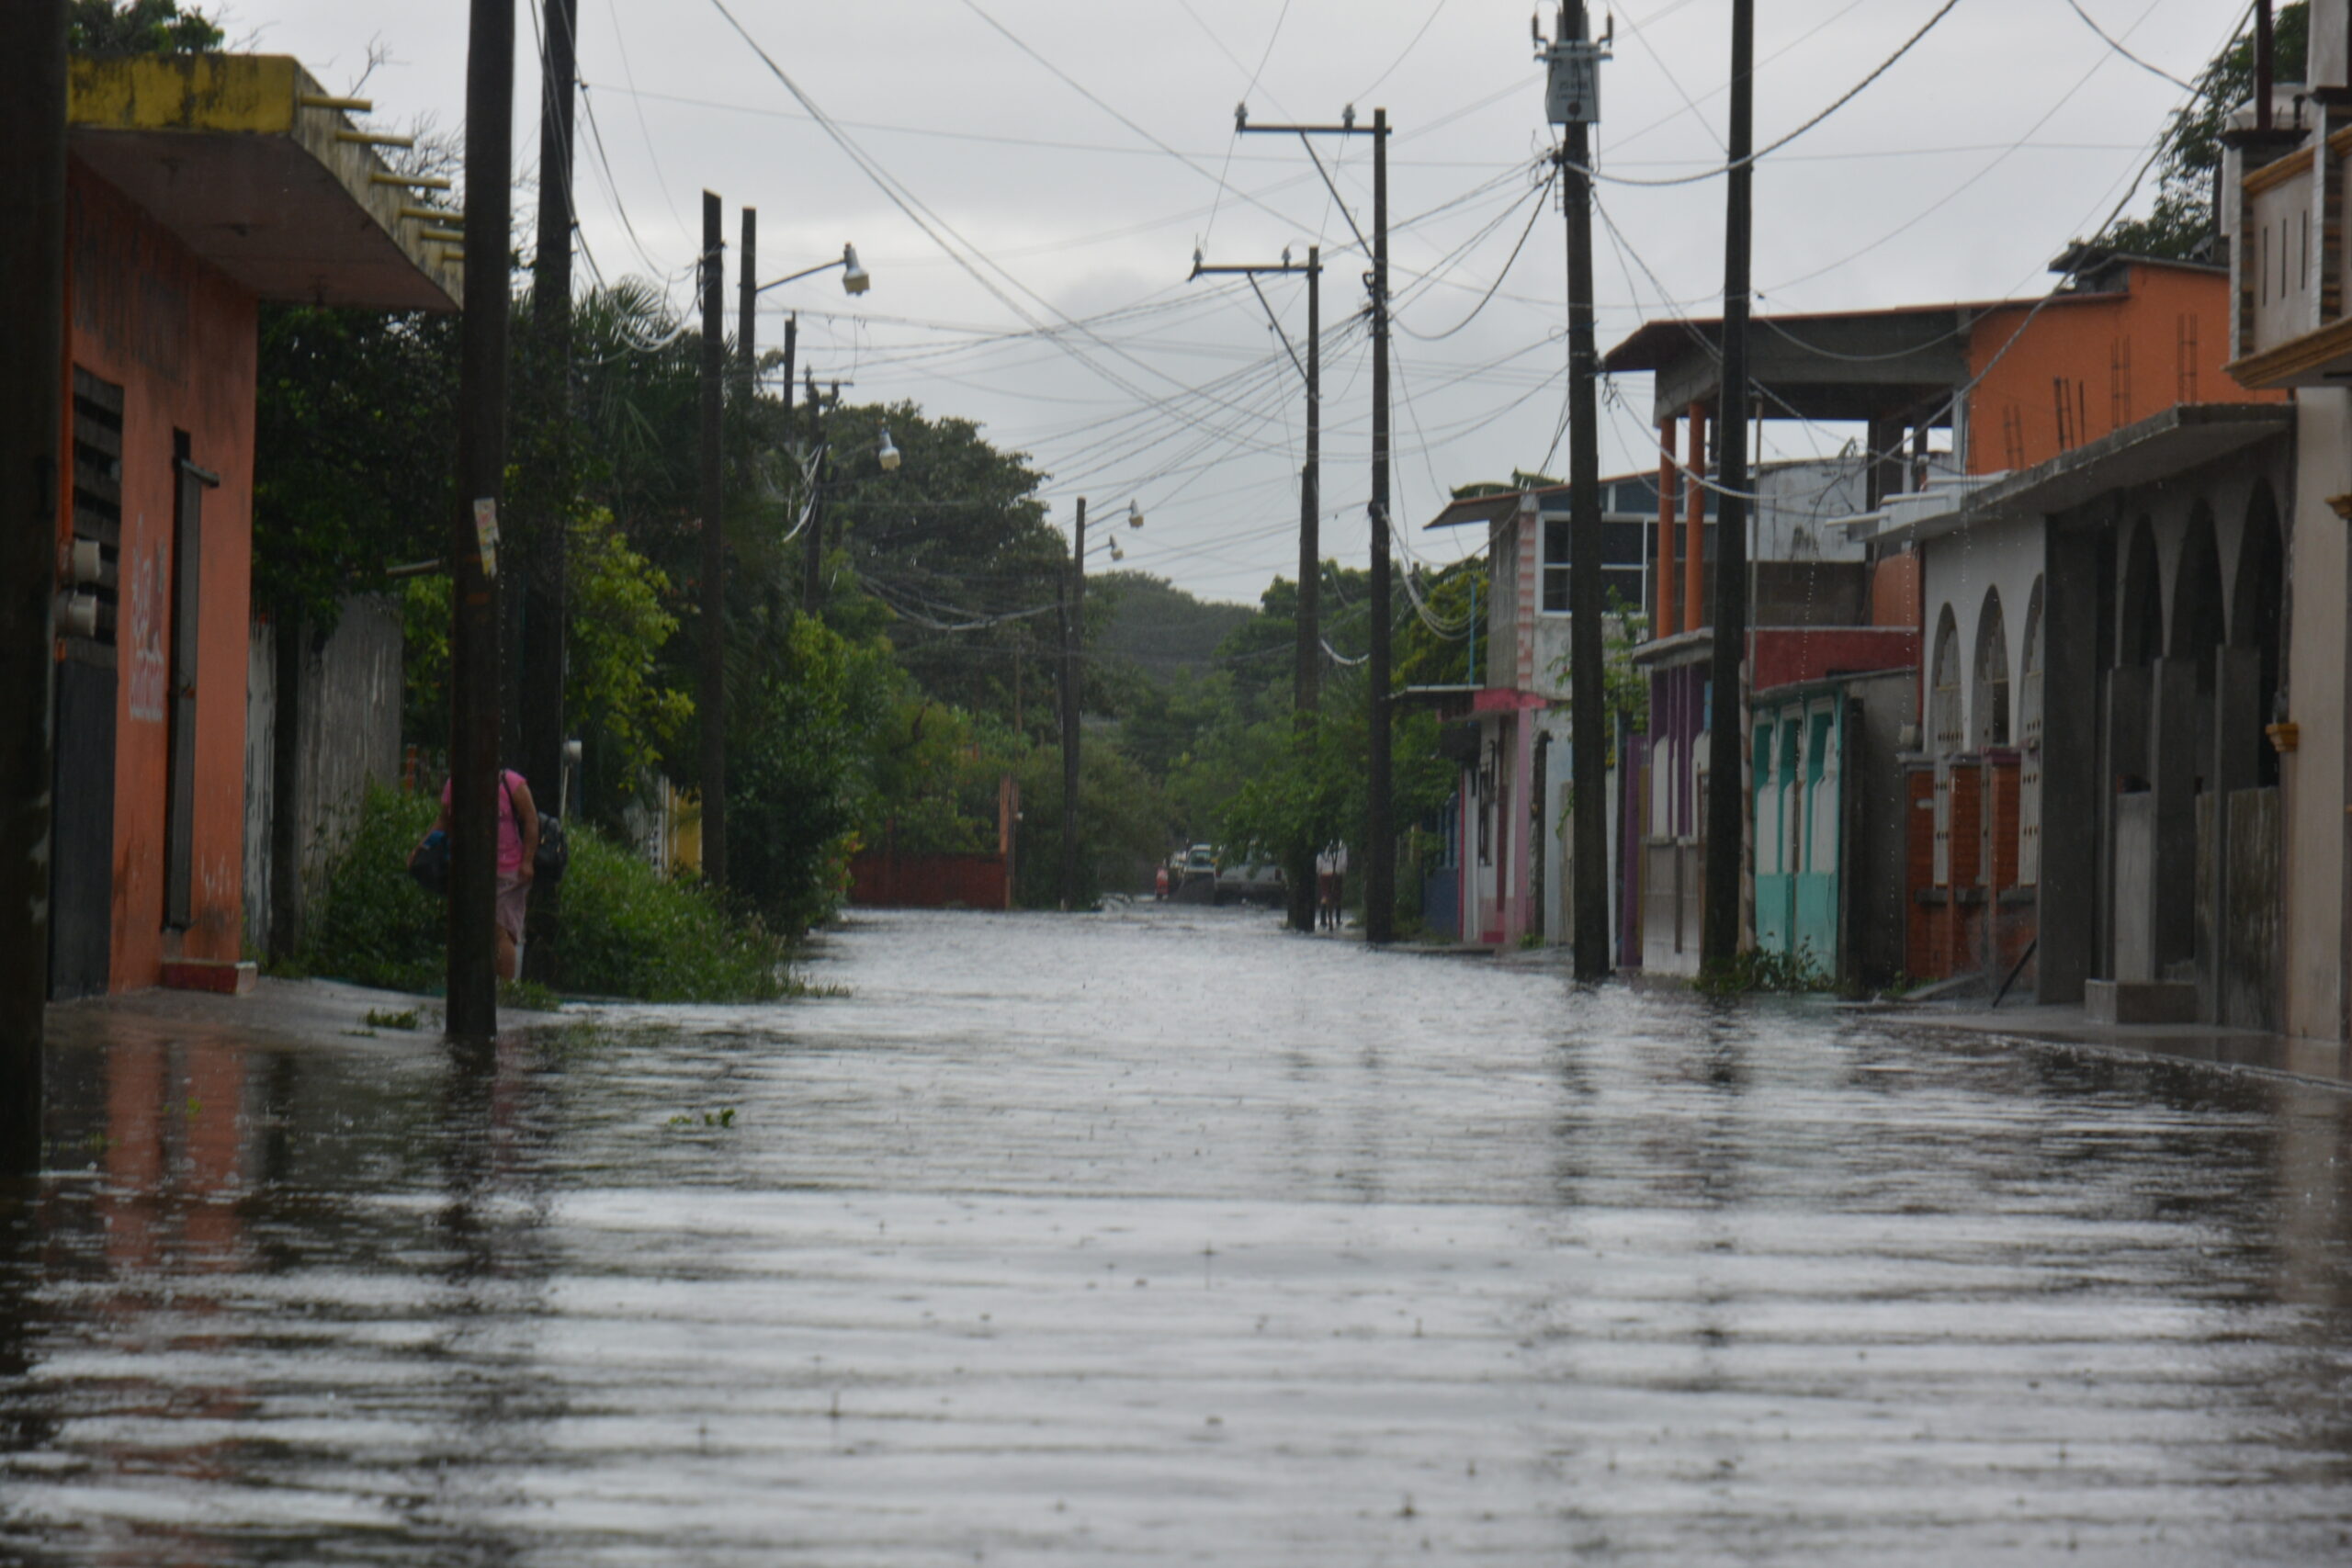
1163, 1237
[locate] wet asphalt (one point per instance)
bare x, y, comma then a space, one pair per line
1163, 1237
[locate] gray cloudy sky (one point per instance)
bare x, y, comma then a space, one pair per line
2008, 129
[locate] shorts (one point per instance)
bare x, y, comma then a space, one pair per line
514, 901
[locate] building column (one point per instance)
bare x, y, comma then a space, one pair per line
1662, 586
1694, 522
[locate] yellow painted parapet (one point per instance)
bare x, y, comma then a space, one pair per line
259, 169
251, 92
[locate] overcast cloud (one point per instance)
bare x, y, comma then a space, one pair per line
2009, 129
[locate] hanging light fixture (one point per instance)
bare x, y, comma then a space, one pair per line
855, 278
1135, 515
888, 456
1116, 553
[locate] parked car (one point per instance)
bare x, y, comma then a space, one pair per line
1196, 875
1251, 882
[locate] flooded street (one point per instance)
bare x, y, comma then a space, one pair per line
1163, 1237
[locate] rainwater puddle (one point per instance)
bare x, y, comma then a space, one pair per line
1163, 1237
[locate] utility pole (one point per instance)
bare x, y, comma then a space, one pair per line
482, 474
747, 296
1380, 871
539, 718
1073, 633
32, 430
1575, 106
713, 697
1726, 792
1298, 867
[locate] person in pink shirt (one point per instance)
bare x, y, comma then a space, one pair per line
518, 848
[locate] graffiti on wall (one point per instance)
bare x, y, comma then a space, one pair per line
149, 673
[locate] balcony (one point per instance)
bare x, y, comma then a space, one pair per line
2286, 266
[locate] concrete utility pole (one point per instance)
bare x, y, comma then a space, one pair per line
1073, 635
1298, 867
540, 721
1574, 107
712, 699
474, 799
1726, 791
32, 433
1380, 869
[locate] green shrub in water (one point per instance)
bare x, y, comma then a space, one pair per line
1760, 969
627, 931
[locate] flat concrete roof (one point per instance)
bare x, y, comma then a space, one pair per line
258, 169
2184, 436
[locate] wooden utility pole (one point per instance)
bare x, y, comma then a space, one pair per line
540, 721
712, 699
482, 474
32, 433
1574, 107
1073, 638
747, 295
1380, 869
1298, 860
1726, 789
1380, 874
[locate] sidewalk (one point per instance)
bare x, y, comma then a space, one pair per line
2253, 1050
279, 1012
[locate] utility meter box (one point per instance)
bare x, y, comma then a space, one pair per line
1573, 95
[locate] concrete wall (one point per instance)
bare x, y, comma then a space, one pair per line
1957, 572
348, 708
1879, 707
144, 312
2312, 776
1810, 594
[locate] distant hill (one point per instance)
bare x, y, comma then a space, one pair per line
1158, 626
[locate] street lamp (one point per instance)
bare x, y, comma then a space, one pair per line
889, 457
855, 280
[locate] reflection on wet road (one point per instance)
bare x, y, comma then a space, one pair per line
1163, 1237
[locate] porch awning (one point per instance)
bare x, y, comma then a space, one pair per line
258, 169
2163, 446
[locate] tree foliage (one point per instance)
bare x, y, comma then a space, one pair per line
2181, 223
139, 27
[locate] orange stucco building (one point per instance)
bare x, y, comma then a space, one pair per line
199, 187
2135, 337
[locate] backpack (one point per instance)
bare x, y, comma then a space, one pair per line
554, 856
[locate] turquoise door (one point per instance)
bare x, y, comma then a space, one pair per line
1817, 879
1776, 776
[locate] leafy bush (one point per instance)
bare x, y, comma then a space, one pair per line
372, 923
629, 932
626, 932
1759, 969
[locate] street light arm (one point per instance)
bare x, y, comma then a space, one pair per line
856, 278
804, 272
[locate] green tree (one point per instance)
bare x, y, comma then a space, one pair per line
139, 27
2181, 223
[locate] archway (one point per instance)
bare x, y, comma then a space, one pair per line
1988, 697
1944, 732
2258, 613
2197, 627
2140, 626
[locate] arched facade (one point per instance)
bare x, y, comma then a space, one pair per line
2257, 614
1988, 696
1946, 731
2140, 619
